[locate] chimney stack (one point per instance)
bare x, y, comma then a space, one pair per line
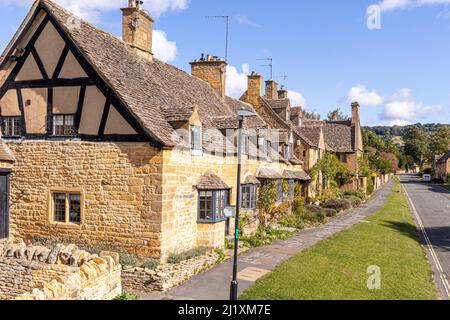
282, 93
271, 90
355, 113
137, 29
213, 70
255, 89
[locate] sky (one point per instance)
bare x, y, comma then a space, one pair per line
392, 56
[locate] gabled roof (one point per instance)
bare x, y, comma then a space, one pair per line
339, 136
313, 134
155, 93
444, 158
268, 173
210, 181
296, 175
279, 103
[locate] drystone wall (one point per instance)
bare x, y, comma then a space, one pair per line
59, 273
166, 276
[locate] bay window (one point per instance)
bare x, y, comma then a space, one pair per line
211, 205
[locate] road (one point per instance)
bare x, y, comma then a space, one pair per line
431, 206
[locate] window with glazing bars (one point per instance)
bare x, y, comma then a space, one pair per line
11, 127
249, 196
212, 205
67, 207
64, 125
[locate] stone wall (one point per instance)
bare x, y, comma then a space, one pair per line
120, 184
59, 273
181, 173
166, 276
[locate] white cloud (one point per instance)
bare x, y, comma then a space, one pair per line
297, 99
400, 123
404, 93
236, 82
91, 10
365, 97
407, 110
163, 49
391, 5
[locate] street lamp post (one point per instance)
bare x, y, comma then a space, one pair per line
234, 283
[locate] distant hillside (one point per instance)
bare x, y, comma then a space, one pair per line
397, 131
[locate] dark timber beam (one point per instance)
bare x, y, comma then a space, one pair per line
61, 61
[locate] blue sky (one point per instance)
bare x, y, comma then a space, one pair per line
399, 73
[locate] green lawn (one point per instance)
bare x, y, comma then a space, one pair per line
337, 268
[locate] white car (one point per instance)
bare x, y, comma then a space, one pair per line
426, 178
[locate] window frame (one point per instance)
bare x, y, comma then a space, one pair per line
13, 118
253, 197
292, 185
67, 207
192, 142
216, 216
287, 152
64, 125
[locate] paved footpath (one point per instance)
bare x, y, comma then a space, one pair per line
215, 283
431, 207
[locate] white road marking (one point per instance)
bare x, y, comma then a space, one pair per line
430, 246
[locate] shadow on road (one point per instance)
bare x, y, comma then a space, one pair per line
413, 179
439, 236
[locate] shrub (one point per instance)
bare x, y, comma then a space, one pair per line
359, 194
175, 258
151, 264
355, 201
338, 204
128, 260
313, 208
128, 296
265, 237
330, 212
221, 254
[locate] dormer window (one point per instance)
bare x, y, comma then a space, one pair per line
262, 146
287, 151
245, 144
64, 125
196, 138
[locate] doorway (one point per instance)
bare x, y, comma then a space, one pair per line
4, 205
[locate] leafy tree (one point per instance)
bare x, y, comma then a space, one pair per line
337, 115
416, 144
439, 142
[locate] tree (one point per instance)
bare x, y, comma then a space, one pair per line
337, 115
416, 144
439, 142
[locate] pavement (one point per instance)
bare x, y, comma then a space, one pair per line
430, 204
255, 263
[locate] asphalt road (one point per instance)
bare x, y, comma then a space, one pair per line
431, 206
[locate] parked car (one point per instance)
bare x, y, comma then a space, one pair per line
426, 178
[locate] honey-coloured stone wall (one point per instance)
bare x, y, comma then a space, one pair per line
120, 184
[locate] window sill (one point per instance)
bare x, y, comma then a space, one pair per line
65, 225
197, 153
200, 221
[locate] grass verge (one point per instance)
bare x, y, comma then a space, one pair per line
338, 268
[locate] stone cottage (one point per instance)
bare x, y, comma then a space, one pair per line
103, 144
441, 168
308, 140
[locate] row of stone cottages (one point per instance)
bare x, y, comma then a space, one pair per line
104, 144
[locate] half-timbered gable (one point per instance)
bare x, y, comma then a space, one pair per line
52, 92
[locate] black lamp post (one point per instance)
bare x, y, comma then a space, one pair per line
234, 283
